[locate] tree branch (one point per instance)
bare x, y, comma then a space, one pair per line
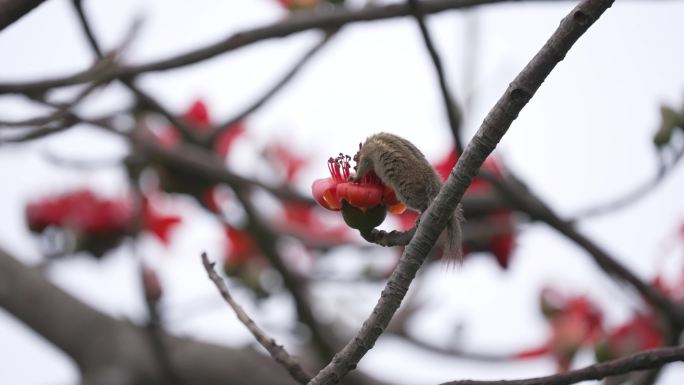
289, 75
639, 361
633, 196
290, 26
433, 221
144, 99
107, 348
454, 114
267, 241
526, 201
13, 10
278, 352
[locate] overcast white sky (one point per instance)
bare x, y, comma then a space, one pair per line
583, 139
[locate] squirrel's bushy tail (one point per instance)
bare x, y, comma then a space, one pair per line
454, 236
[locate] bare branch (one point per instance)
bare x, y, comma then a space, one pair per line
69, 121
537, 209
207, 165
267, 241
294, 24
60, 113
389, 239
454, 114
633, 196
433, 221
13, 10
144, 99
640, 361
289, 75
278, 352
41, 132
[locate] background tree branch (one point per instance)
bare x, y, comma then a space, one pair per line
13, 10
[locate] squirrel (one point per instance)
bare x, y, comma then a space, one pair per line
401, 166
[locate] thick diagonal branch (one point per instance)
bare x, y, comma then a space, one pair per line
495, 125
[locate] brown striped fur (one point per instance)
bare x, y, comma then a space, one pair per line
402, 166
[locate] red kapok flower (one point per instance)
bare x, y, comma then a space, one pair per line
158, 224
363, 204
80, 211
224, 141
642, 332
241, 247
325, 190
95, 224
500, 241
291, 164
575, 323
369, 192
298, 4
302, 221
197, 116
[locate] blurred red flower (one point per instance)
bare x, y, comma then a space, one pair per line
642, 332
575, 323
81, 211
98, 224
157, 223
197, 116
283, 158
493, 232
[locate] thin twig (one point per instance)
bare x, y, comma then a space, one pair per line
144, 99
631, 197
78, 6
61, 112
81, 164
454, 114
640, 361
278, 352
69, 121
267, 241
41, 132
433, 221
208, 166
529, 203
388, 239
289, 75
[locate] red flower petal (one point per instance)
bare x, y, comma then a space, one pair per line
325, 193
242, 246
225, 141
198, 115
288, 161
363, 196
158, 224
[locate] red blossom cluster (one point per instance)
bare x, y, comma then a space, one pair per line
575, 323
97, 224
80, 211
180, 181
243, 257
